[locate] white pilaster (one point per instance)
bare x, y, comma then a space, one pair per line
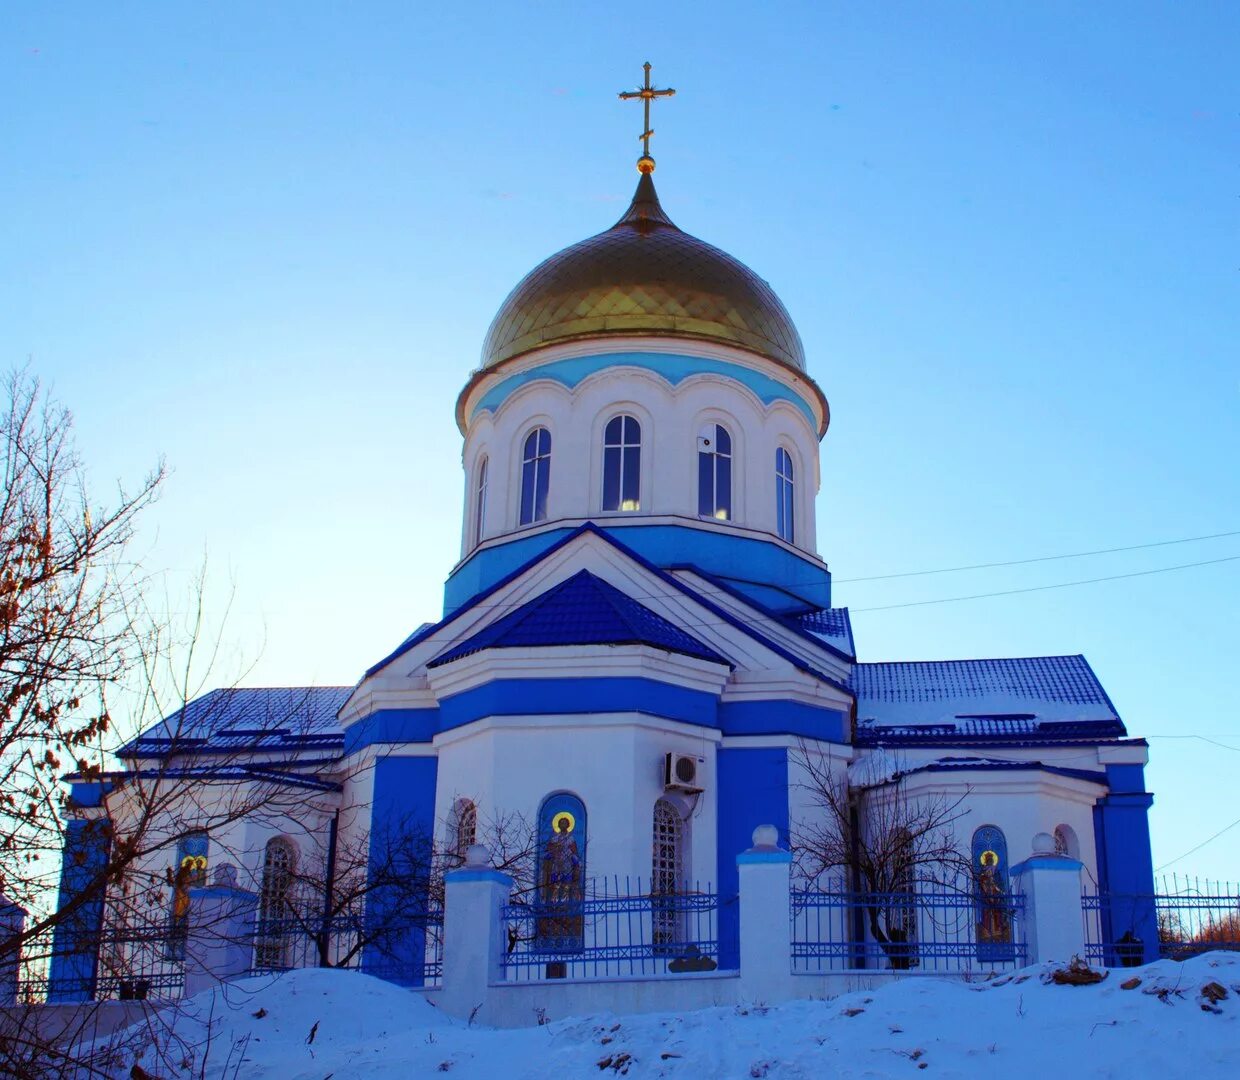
473, 934
220, 942
1051, 886
766, 933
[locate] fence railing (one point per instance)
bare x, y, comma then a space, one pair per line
617, 930
1194, 920
411, 954
114, 964
934, 930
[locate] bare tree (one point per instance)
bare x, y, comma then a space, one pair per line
880, 841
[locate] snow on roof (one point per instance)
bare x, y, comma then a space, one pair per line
236, 718
1047, 696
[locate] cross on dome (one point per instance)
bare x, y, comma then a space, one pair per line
647, 93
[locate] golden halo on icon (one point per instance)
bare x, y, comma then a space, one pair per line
563, 822
989, 858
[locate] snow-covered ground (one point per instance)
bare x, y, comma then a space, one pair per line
312, 1025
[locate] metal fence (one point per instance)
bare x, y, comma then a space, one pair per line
411, 954
1188, 916
924, 929
616, 930
114, 964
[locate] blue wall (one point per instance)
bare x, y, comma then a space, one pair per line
75, 941
752, 791
549, 697
760, 569
401, 833
1125, 862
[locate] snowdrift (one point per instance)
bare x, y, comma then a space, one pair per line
1166, 1019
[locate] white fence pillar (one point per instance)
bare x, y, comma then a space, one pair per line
12, 923
473, 934
765, 872
219, 942
1051, 886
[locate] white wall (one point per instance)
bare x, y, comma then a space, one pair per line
612, 762
671, 418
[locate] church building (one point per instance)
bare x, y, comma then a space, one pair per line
638, 651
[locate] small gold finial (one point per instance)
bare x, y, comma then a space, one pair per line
647, 93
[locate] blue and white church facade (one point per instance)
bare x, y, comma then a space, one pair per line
638, 647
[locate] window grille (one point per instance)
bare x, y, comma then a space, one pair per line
666, 872
274, 905
466, 826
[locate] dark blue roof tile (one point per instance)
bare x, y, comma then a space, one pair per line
582, 610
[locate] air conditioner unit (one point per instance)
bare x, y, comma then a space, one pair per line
680, 773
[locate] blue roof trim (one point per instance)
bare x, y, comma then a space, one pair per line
786, 621
581, 610
662, 575
1022, 733
985, 765
229, 772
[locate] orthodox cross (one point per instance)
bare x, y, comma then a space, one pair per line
647, 93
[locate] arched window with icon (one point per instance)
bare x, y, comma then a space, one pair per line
992, 902
561, 872
189, 870
715, 472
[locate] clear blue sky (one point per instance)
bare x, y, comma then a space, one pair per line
266, 240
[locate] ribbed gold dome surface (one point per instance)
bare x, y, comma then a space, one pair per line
643, 276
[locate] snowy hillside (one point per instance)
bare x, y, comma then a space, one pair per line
1179, 1020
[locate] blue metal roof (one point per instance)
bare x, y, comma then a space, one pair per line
249, 718
582, 610
832, 624
945, 701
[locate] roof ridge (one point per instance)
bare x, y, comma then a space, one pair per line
973, 660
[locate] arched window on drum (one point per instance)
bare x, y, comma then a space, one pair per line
275, 912
715, 472
535, 475
667, 874
785, 496
992, 898
480, 501
622, 464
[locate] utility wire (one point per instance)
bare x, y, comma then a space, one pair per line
1043, 588
1041, 558
1193, 851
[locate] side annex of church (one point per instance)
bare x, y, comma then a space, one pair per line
638, 654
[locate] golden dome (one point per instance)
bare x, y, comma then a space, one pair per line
643, 276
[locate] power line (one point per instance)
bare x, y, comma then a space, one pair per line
1039, 559
1193, 851
1059, 585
